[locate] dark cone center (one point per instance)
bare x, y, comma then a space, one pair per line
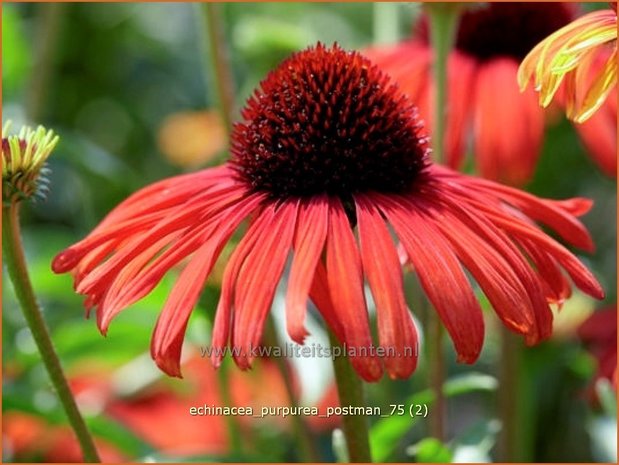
328, 121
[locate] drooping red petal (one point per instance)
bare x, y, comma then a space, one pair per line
93, 259
461, 76
312, 227
396, 330
137, 285
105, 311
551, 213
599, 135
319, 293
581, 276
70, 258
518, 225
192, 212
557, 287
169, 332
145, 208
508, 125
166, 194
492, 272
258, 279
345, 278
439, 273
503, 244
224, 314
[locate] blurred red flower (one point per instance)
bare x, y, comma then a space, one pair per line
485, 103
327, 145
599, 333
159, 413
27, 437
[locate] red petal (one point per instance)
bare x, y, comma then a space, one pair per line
190, 213
308, 245
508, 125
170, 329
258, 279
461, 75
599, 135
559, 215
581, 276
557, 287
492, 272
396, 330
319, 293
169, 332
135, 286
223, 315
345, 278
499, 240
106, 310
439, 273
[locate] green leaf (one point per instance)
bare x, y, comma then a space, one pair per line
15, 51
430, 450
386, 433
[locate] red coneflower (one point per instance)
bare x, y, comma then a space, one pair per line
483, 93
328, 146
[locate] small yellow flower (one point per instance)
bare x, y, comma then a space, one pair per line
584, 53
23, 158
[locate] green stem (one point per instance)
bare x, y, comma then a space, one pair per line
303, 436
350, 392
219, 63
443, 25
13, 253
49, 30
436, 374
232, 423
509, 397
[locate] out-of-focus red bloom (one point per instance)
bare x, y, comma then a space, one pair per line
487, 114
27, 437
599, 333
328, 146
160, 415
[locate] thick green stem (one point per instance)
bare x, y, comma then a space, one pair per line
508, 397
232, 423
350, 392
443, 24
302, 433
436, 375
15, 260
219, 69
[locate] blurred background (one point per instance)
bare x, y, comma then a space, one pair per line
128, 87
